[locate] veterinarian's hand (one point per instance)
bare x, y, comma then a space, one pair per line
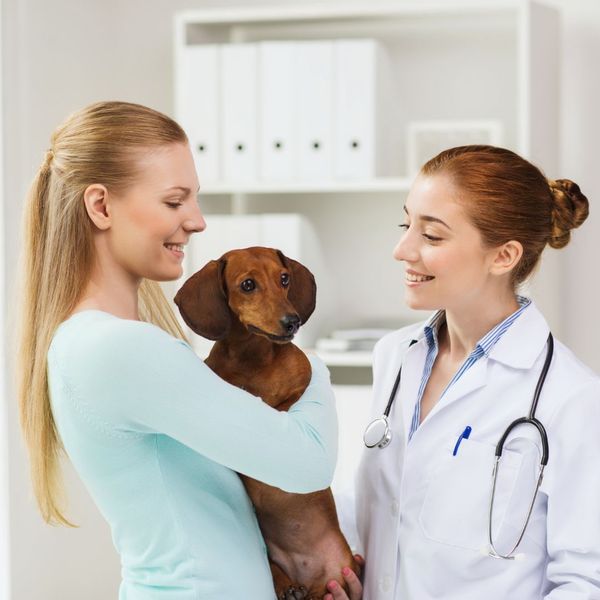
351, 579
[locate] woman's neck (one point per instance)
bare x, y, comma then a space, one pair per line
116, 294
465, 327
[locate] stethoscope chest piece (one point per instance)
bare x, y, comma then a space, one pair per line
378, 433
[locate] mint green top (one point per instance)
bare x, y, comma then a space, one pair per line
157, 439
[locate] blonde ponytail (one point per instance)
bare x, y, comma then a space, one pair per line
96, 145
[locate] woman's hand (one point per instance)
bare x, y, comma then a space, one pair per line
352, 581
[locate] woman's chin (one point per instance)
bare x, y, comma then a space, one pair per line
415, 303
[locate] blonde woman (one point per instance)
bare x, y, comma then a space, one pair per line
106, 373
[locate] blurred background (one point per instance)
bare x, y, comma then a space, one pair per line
307, 121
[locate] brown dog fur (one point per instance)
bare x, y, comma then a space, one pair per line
253, 351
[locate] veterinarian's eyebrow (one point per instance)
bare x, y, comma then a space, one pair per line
430, 219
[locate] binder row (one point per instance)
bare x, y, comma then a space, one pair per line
284, 110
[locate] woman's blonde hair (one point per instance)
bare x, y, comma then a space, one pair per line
99, 144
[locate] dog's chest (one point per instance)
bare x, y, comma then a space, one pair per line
278, 382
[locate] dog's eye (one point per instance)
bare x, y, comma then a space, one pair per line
285, 279
248, 285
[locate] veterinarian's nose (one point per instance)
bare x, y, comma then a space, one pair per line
291, 324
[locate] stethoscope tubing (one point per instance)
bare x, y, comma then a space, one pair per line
378, 434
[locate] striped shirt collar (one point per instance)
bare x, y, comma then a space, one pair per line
482, 348
487, 342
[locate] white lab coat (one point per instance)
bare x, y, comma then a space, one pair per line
422, 513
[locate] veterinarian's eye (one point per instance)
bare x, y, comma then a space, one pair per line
285, 279
248, 285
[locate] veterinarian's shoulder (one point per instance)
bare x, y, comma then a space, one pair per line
398, 339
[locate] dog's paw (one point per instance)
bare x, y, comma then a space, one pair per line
294, 593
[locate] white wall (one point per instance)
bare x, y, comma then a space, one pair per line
4, 513
65, 54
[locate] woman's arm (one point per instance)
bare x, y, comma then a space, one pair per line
573, 487
138, 378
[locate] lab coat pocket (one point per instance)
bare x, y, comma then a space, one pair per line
456, 504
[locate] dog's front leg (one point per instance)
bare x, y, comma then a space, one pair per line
285, 588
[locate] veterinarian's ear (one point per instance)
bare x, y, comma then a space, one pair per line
203, 304
303, 289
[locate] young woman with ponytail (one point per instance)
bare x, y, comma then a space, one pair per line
107, 376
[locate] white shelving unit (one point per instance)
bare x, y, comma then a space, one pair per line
379, 185
452, 60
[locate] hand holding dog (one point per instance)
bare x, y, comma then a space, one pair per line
352, 581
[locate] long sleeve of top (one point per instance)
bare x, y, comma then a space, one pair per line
157, 438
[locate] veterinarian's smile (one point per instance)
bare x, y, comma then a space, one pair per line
413, 278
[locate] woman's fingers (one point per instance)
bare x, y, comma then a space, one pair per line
337, 592
353, 582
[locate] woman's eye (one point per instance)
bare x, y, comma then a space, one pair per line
431, 238
248, 285
404, 226
174, 204
285, 279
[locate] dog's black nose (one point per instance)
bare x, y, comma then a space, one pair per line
291, 324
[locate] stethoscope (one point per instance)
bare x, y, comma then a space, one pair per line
378, 434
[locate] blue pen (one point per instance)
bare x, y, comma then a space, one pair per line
463, 436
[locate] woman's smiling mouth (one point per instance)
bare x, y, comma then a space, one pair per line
414, 277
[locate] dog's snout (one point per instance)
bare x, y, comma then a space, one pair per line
291, 324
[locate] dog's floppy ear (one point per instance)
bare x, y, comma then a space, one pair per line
303, 289
203, 304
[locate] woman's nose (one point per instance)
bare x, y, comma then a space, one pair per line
406, 249
195, 222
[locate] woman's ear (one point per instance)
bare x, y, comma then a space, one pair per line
95, 198
203, 304
506, 257
303, 290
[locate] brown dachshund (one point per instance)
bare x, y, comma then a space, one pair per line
253, 301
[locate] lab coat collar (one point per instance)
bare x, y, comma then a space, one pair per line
522, 343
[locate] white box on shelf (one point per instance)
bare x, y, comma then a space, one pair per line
277, 110
315, 109
363, 123
198, 107
239, 92
426, 139
291, 233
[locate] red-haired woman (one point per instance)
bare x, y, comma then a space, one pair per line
436, 518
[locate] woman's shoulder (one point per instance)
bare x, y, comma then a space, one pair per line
571, 368
98, 334
398, 339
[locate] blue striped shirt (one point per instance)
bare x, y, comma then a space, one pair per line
482, 348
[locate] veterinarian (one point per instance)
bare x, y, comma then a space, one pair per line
434, 519
107, 375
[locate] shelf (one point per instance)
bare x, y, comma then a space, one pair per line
381, 185
345, 359
361, 10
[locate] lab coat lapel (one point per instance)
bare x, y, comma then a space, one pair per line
412, 372
471, 380
518, 348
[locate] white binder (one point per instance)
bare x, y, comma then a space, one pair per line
277, 110
361, 132
198, 107
239, 101
315, 110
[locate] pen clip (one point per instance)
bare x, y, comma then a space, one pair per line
463, 436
